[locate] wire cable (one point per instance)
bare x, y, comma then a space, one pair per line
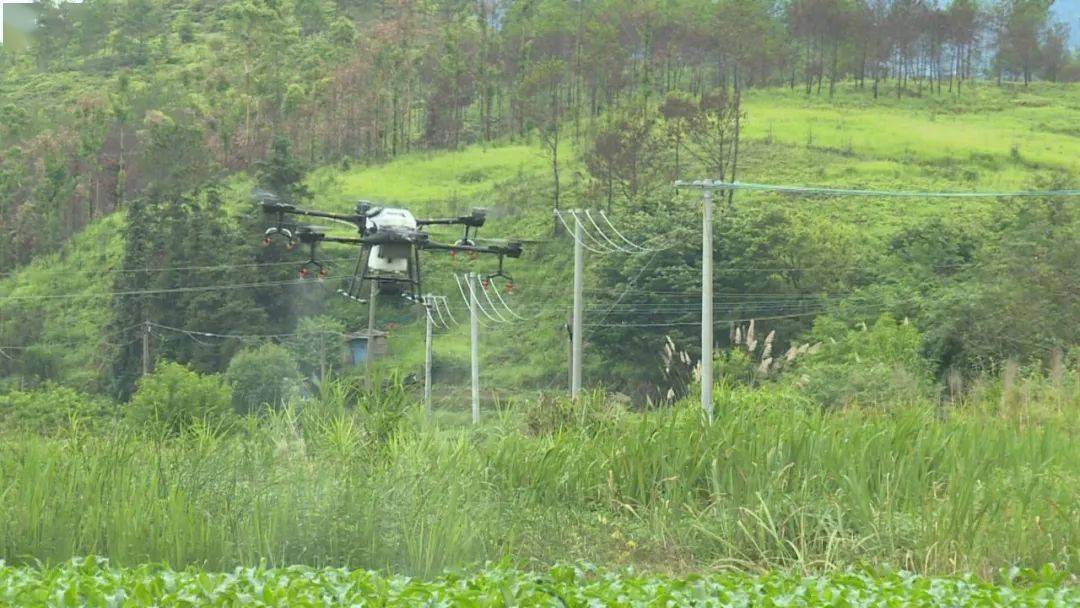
573, 235
168, 290
588, 233
619, 234
820, 191
427, 310
487, 296
629, 286
468, 301
438, 310
209, 334
446, 305
509, 310
610, 242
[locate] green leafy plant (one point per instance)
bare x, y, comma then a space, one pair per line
263, 377
174, 398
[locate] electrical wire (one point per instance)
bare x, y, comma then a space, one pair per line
611, 248
619, 234
168, 290
106, 338
509, 310
438, 310
629, 285
573, 235
446, 305
496, 318
820, 191
427, 311
470, 301
610, 243
208, 334
106, 271
487, 296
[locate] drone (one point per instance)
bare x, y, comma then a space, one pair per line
390, 241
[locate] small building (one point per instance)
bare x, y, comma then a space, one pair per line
360, 344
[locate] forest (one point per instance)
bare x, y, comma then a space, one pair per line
896, 377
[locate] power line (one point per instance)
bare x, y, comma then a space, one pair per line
149, 270
168, 290
617, 233
105, 338
209, 334
610, 243
569, 230
821, 191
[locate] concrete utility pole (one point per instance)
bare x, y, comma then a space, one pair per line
474, 348
428, 300
707, 304
370, 333
146, 348
579, 306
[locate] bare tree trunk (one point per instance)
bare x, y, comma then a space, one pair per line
735, 145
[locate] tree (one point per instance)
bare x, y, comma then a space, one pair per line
1020, 28
174, 398
282, 173
132, 310
627, 155
542, 87
262, 377
712, 134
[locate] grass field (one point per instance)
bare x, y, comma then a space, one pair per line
772, 484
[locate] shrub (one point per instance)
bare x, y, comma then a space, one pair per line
549, 415
52, 408
173, 398
262, 377
869, 365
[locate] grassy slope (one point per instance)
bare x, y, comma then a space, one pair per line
989, 139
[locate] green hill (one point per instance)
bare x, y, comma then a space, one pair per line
56, 311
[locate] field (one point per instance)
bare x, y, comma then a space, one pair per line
907, 500
93, 582
774, 483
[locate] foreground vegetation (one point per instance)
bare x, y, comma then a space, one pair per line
92, 582
775, 482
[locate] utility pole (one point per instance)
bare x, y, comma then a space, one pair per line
707, 304
427, 355
146, 348
370, 333
474, 348
579, 306
569, 351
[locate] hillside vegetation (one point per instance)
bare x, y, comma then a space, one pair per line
897, 378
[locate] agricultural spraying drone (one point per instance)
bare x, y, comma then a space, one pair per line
390, 241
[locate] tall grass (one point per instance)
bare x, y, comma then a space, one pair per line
769, 484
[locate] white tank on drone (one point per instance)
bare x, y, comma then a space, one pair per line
393, 257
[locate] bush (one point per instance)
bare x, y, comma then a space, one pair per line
53, 408
550, 415
262, 377
870, 365
173, 398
